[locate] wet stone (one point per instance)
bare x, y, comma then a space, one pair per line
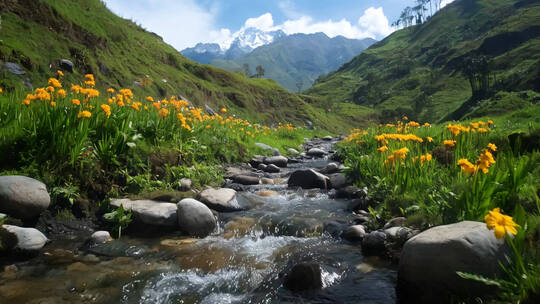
303, 277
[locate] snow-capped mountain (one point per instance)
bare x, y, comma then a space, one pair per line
243, 42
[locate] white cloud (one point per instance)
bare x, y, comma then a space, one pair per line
373, 23
264, 22
184, 23
181, 23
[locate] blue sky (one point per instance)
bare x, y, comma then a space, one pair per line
183, 23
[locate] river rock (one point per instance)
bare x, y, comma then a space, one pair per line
263, 146
221, 200
331, 168
100, 237
328, 138
354, 233
395, 222
338, 180
292, 151
267, 193
66, 65
262, 167
374, 243
429, 261
246, 180
256, 161
308, 178
303, 277
23, 197
195, 218
267, 181
149, 212
209, 110
27, 239
280, 161
272, 169
316, 152
275, 152
185, 184
14, 68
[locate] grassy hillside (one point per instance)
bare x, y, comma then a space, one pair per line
423, 70
37, 34
299, 58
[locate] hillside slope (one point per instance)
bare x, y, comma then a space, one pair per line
299, 58
424, 70
38, 33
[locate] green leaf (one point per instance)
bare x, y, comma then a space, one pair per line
479, 278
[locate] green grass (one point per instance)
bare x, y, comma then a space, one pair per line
120, 53
418, 70
438, 191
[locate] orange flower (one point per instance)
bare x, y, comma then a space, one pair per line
163, 113
449, 143
76, 102
106, 109
383, 149
61, 93
85, 114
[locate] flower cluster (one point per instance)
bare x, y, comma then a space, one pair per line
484, 161
480, 127
383, 138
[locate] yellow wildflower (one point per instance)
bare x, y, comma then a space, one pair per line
467, 166
149, 99
383, 149
53, 104
106, 109
501, 224
54, 82
76, 102
449, 143
110, 90
223, 110
492, 147
429, 139
163, 113
61, 93
85, 114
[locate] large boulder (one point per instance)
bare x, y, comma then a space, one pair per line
149, 212
304, 277
338, 180
429, 261
26, 239
194, 218
280, 161
316, 152
263, 146
221, 199
23, 197
308, 179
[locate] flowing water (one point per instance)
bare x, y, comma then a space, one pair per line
244, 262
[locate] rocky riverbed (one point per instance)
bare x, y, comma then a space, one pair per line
281, 230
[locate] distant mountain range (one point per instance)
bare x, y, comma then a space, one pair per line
294, 61
245, 41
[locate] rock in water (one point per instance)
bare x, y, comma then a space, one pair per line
66, 65
150, 212
194, 218
272, 169
280, 161
308, 179
374, 243
316, 152
256, 161
221, 200
246, 180
429, 261
338, 180
23, 197
354, 233
328, 138
100, 237
27, 239
303, 277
